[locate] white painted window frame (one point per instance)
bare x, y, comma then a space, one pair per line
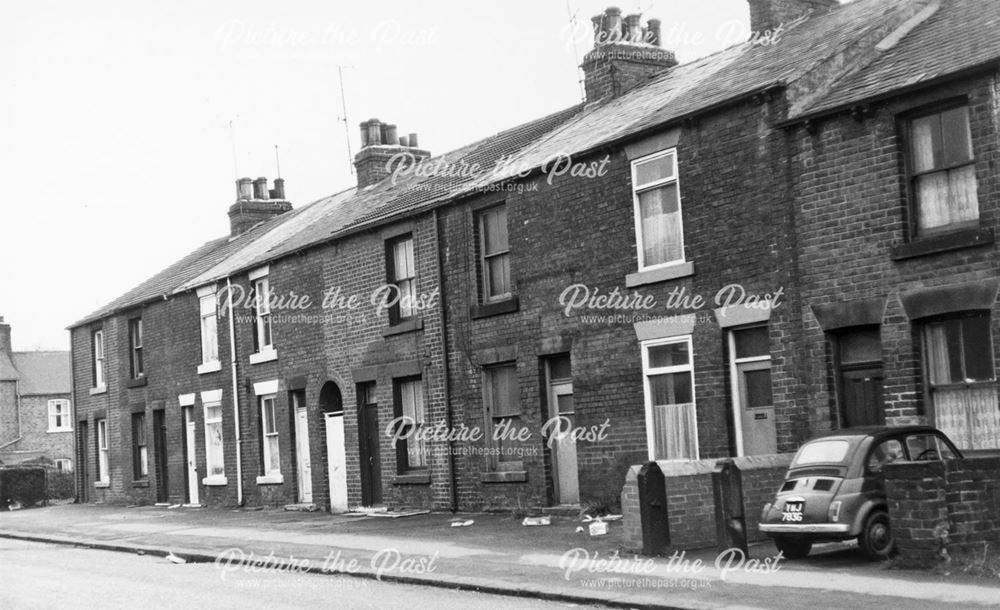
637, 212
60, 407
648, 394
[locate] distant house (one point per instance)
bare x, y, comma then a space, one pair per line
36, 422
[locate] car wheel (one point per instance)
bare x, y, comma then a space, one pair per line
793, 548
876, 540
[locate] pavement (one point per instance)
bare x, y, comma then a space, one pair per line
495, 554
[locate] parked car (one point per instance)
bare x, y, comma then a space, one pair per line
834, 489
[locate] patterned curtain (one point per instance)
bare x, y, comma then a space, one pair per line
969, 416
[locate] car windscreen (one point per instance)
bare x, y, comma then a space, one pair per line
822, 452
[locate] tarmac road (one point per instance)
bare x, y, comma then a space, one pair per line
35, 575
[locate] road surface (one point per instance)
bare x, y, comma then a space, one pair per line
34, 575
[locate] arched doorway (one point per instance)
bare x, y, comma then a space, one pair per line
331, 405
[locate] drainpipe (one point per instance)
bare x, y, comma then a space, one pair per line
236, 395
447, 375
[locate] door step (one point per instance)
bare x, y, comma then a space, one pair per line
305, 507
563, 510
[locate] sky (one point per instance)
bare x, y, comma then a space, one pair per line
123, 125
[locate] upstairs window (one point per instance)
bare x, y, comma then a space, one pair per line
59, 416
494, 254
262, 314
97, 351
402, 274
658, 225
207, 304
135, 347
943, 172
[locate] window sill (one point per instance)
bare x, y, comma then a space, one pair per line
508, 476
136, 383
412, 478
496, 308
660, 274
101, 389
209, 367
404, 326
968, 238
267, 355
271, 479
216, 481
102, 484
58, 430
141, 483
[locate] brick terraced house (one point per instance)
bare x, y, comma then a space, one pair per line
718, 258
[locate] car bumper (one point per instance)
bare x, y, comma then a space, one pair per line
805, 528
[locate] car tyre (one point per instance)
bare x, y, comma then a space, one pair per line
876, 539
793, 548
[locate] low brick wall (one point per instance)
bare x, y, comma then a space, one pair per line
939, 509
691, 502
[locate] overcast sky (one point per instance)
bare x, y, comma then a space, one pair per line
115, 144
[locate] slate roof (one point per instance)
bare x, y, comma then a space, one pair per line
958, 36
37, 372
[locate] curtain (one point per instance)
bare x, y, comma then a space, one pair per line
937, 347
969, 416
661, 225
674, 431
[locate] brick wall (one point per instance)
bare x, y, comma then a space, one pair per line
942, 509
851, 209
691, 502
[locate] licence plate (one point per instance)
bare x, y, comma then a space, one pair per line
792, 512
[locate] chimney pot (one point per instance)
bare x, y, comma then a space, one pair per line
279, 188
632, 27
374, 132
403, 141
413, 141
364, 134
390, 135
653, 32
244, 188
613, 24
260, 188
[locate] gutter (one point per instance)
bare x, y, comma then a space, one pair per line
443, 319
236, 395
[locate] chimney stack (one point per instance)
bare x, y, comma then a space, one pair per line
5, 345
625, 55
256, 204
769, 14
380, 143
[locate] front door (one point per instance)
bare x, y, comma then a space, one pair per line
190, 446
336, 461
753, 404
160, 454
567, 479
371, 468
303, 458
863, 397
81, 462
859, 365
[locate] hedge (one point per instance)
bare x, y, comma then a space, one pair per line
25, 486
